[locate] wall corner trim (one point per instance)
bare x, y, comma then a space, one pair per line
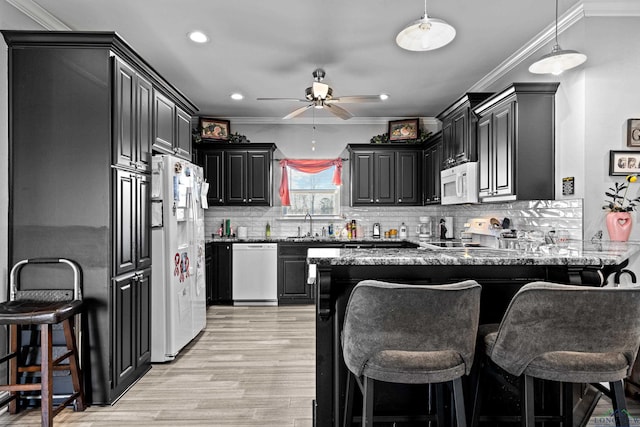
39, 15
583, 8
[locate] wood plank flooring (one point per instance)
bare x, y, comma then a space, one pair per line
251, 366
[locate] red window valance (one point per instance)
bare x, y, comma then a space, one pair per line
307, 166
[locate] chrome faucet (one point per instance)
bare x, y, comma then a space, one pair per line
310, 234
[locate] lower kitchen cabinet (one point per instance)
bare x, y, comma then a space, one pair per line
292, 274
218, 272
132, 323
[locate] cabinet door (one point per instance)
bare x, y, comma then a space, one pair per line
436, 156
384, 178
460, 140
503, 149
485, 159
447, 144
123, 318
211, 162
362, 179
183, 134
258, 178
222, 265
235, 176
408, 177
143, 222
143, 317
144, 124
164, 129
124, 110
209, 272
124, 229
294, 279
431, 171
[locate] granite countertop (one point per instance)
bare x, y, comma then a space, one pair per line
577, 253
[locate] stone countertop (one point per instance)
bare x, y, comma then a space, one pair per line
310, 240
577, 253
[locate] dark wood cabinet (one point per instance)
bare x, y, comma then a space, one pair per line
172, 131
212, 165
132, 114
292, 274
431, 169
516, 143
385, 175
237, 176
102, 95
218, 272
131, 322
458, 129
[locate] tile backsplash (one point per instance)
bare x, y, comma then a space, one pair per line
524, 215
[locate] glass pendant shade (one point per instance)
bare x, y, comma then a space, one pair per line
426, 34
557, 61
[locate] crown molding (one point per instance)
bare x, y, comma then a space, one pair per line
584, 8
324, 121
39, 15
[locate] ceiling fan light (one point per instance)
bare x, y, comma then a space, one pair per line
557, 61
426, 34
198, 37
384, 96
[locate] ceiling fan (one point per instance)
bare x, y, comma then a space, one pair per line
320, 95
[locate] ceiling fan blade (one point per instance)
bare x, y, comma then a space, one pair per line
282, 99
356, 99
338, 111
297, 112
320, 90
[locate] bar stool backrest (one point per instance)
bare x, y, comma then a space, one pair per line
388, 316
547, 317
49, 295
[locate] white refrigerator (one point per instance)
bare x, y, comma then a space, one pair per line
178, 293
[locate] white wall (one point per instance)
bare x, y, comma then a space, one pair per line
10, 19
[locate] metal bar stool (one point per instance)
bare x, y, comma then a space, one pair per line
44, 308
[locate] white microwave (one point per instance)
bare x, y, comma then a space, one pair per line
459, 184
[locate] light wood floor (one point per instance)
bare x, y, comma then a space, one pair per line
252, 366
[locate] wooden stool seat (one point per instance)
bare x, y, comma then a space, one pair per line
43, 309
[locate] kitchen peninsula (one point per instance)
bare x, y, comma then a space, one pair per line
501, 273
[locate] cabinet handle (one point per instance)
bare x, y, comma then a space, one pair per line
377, 200
220, 200
249, 200
399, 200
371, 200
244, 200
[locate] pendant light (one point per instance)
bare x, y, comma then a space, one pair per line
558, 60
425, 34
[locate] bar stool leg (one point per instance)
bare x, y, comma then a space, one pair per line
458, 398
348, 401
619, 404
76, 374
46, 372
528, 414
13, 365
367, 403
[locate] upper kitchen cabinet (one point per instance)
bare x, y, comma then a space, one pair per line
516, 143
386, 175
239, 175
81, 132
431, 169
172, 132
458, 129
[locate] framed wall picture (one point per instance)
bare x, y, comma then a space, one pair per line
214, 129
622, 163
633, 133
403, 130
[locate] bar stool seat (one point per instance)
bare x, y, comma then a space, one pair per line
46, 310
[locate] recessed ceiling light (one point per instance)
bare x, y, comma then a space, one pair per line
237, 96
384, 96
198, 37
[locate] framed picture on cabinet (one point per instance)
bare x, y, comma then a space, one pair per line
403, 130
633, 133
622, 163
214, 129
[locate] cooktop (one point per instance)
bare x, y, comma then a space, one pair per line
449, 244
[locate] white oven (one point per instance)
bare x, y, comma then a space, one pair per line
459, 184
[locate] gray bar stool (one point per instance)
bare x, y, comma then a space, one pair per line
410, 334
568, 334
45, 308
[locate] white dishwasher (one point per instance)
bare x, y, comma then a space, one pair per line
255, 273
